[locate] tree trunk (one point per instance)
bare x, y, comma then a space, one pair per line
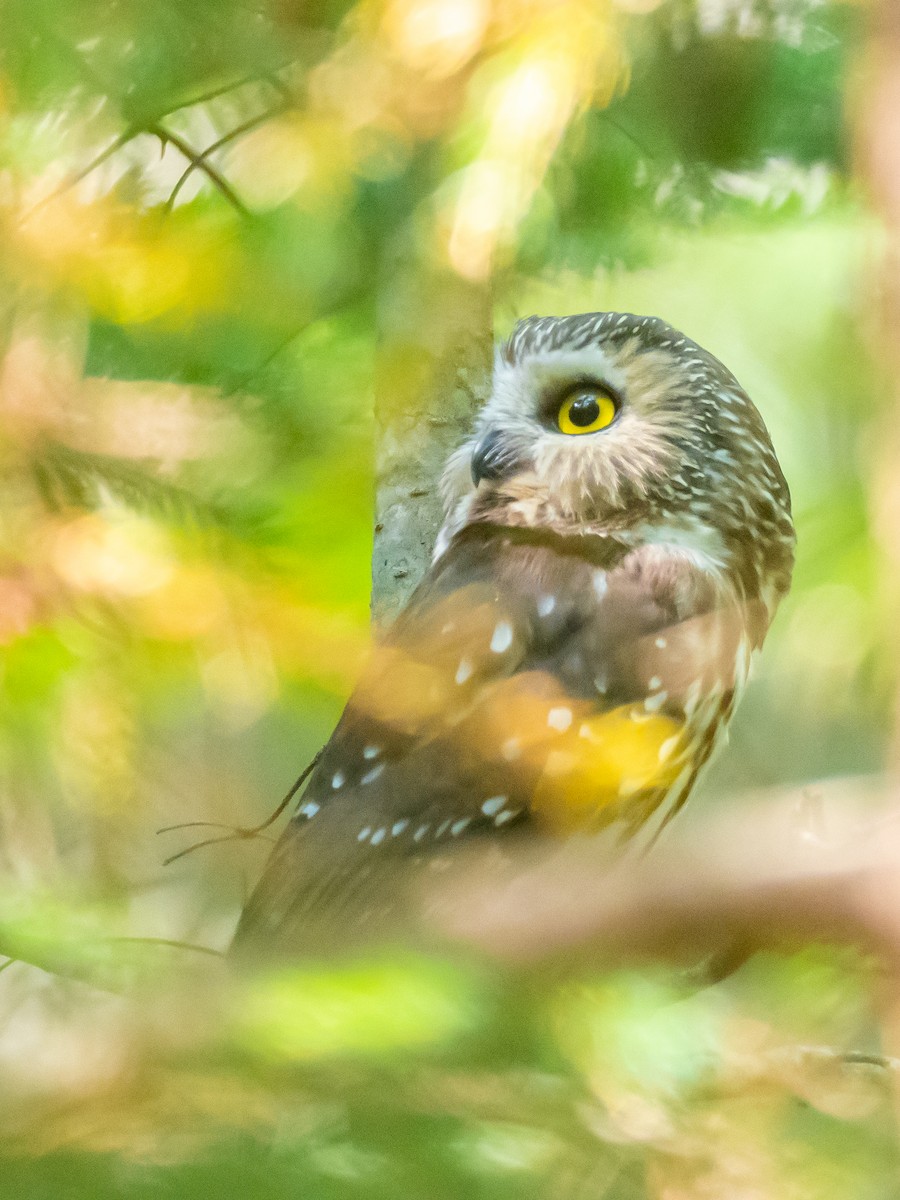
433, 373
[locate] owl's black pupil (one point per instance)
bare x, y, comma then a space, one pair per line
584, 411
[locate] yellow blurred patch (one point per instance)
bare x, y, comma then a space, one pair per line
294, 155
130, 267
604, 761
111, 554
402, 692
436, 37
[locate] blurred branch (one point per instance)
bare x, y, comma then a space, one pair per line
73, 180
270, 77
237, 833
108, 963
66, 476
202, 158
759, 876
199, 162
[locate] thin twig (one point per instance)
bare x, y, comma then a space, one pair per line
249, 376
626, 132
154, 941
215, 177
283, 89
884, 1061
222, 90
203, 157
73, 180
238, 833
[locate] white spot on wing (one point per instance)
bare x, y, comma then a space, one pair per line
378, 836
600, 584
458, 826
398, 827
371, 776
364, 833
337, 780
511, 749
654, 703
546, 605
559, 718
506, 815
463, 671
491, 807
309, 809
371, 751
503, 636
667, 749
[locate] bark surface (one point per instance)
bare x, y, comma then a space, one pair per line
433, 374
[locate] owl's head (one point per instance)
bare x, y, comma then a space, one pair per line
615, 423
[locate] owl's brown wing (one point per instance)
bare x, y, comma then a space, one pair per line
532, 682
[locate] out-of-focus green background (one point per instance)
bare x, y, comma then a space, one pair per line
203, 209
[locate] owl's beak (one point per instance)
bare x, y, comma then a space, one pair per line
491, 458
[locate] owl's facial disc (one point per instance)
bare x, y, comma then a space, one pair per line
574, 410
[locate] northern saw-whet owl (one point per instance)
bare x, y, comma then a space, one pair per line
618, 536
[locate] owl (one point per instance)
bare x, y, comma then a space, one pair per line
617, 539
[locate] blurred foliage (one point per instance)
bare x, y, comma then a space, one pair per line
201, 210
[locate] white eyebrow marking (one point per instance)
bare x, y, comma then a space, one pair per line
503, 636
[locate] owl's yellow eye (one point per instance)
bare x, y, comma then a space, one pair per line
585, 411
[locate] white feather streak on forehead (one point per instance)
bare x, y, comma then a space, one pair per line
518, 387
